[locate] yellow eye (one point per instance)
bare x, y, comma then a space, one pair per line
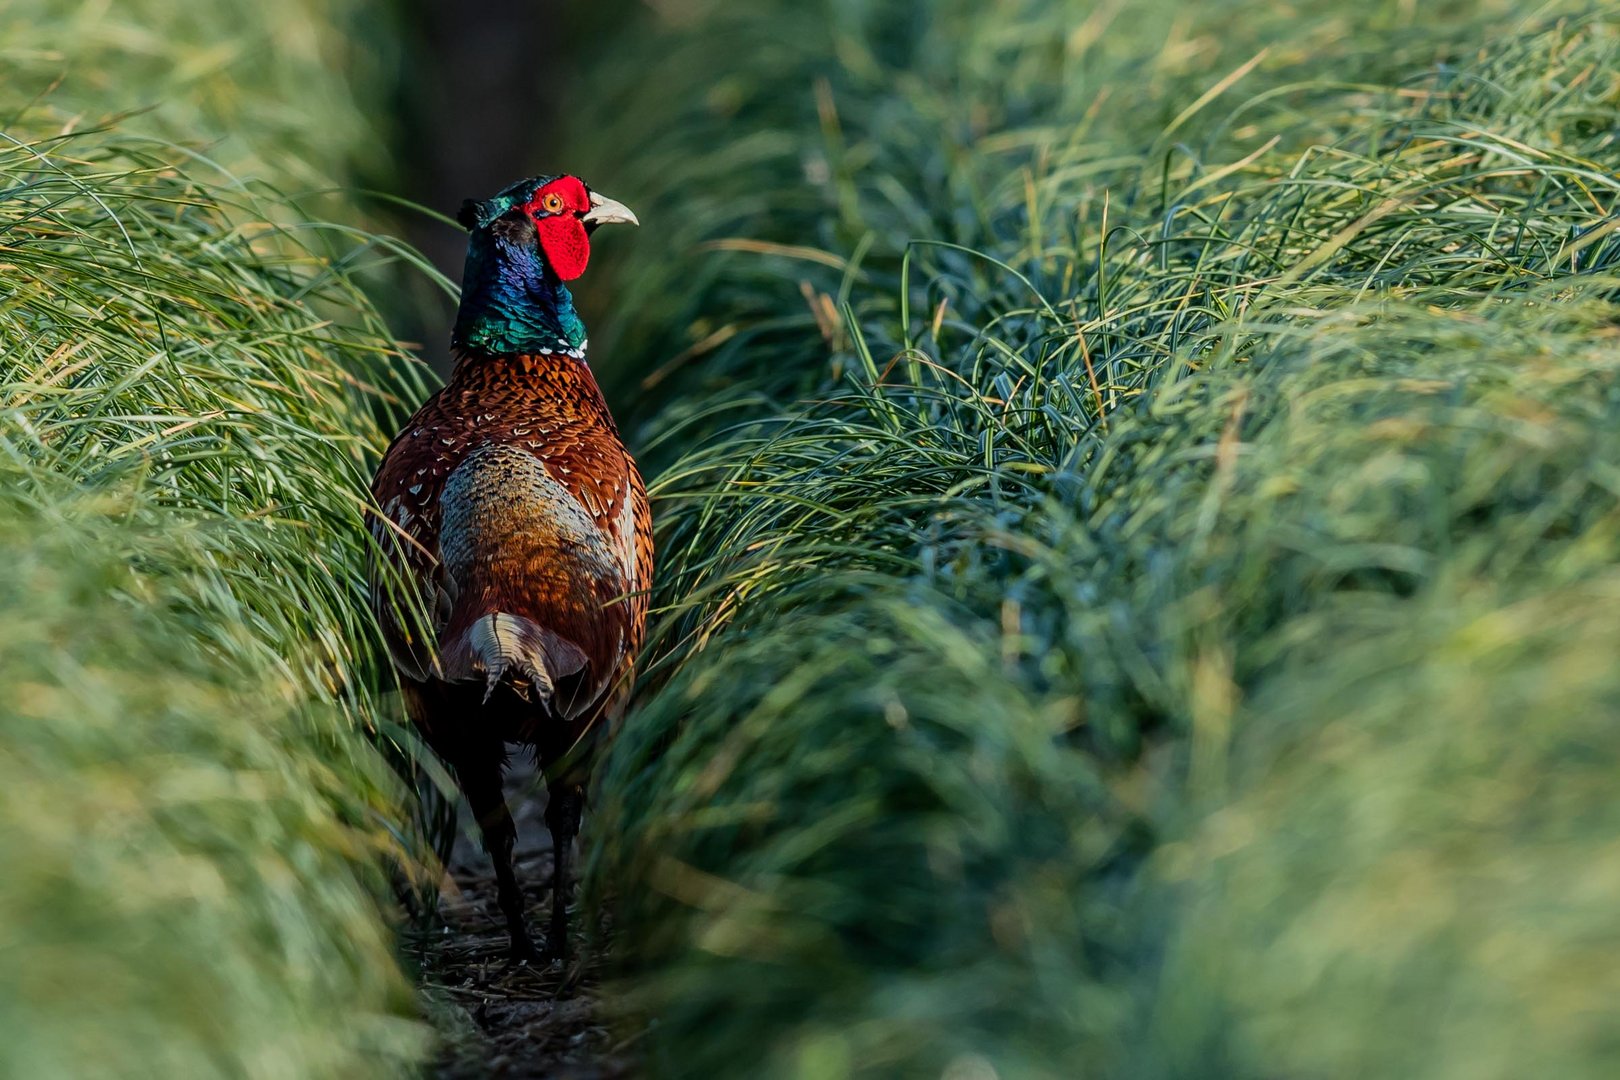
552, 203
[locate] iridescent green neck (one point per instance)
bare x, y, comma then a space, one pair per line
511, 301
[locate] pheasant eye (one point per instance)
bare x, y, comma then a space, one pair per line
552, 203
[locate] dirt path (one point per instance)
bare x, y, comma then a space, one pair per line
498, 1020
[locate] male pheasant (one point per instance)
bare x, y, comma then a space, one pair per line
512, 516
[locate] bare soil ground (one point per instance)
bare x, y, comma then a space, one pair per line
500, 1020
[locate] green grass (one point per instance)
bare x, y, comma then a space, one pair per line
1138, 538
290, 94
1139, 496
195, 824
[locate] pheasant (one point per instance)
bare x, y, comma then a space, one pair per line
511, 515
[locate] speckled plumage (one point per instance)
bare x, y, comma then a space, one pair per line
510, 491
510, 506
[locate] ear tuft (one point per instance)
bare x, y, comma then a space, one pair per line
478, 215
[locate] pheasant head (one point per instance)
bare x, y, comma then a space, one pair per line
524, 245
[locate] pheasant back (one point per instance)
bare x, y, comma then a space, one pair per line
511, 506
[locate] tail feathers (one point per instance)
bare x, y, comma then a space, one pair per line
509, 647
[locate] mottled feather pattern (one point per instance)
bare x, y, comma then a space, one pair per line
510, 492
518, 542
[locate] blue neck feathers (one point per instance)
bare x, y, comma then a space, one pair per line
512, 302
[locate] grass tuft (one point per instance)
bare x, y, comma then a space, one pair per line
194, 819
1136, 512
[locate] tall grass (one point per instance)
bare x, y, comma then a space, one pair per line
1139, 534
291, 95
193, 822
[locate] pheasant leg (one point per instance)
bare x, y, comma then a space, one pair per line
562, 818
481, 782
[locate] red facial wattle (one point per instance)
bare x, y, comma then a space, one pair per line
567, 247
563, 238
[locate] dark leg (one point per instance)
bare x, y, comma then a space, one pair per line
562, 818
481, 782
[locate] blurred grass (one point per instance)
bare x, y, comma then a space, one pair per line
194, 823
289, 95
1138, 498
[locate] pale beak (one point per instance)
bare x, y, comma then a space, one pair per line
605, 211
